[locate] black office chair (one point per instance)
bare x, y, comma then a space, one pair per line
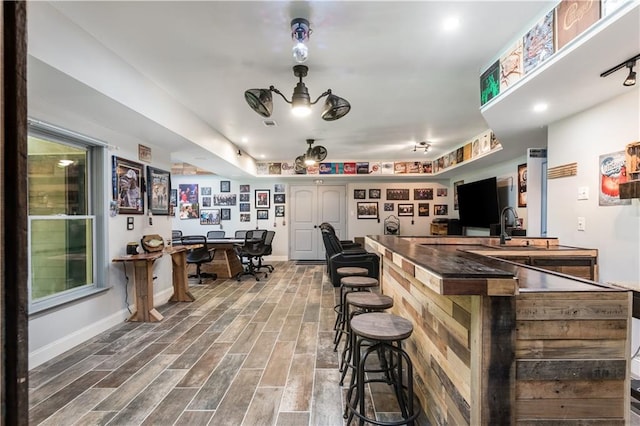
268, 239
338, 257
175, 236
199, 256
215, 235
240, 235
252, 249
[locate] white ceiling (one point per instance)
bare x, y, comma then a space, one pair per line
173, 74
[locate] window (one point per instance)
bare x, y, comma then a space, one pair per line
66, 189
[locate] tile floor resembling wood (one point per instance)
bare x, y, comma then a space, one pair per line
243, 353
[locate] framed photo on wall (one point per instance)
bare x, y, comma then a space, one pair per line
374, 193
263, 198
440, 209
397, 194
279, 199
368, 210
262, 214
210, 217
405, 209
158, 189
127, 186
423, 209
359, 194
280, 211
225, 214
522, 185
388, 207
423, 194
225, 186
245, 188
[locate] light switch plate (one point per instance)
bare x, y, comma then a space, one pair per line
582, 224
583, 193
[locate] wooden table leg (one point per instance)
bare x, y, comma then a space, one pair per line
181, 291
143, 281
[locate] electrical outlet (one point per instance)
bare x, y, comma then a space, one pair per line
582, 224
583, 193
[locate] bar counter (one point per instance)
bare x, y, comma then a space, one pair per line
498, 341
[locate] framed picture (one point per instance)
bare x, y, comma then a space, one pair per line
245, 207
423, 194
397, 194
173, 198
359, 194
244, 198
440, 209
245, 217
224, 200
158, 188
210, 217
206, 201
278, 187
245, 188
144, 153
423, 209
263, 198
188, 193
388, 207
127, 186
374, 193
262, 214
205, 190
225, 186
442, 192
225, 214
405, 209
368, 210
279, 199
279, 211
455, 193
522, 185
189, 210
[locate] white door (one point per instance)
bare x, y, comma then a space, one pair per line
311, 206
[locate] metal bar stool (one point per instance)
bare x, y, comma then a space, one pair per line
362, 302
380, 332
346, 271
348, 285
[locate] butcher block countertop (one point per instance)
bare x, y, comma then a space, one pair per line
479, 265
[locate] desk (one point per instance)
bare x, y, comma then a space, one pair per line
143, 282
180, 279
225, 259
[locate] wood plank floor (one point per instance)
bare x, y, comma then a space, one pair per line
244, 353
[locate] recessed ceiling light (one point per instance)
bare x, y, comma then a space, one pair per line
245, 139
451, 23
262, 156
539, 107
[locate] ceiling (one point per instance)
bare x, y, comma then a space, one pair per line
173, 74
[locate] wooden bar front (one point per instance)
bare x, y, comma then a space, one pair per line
496, 342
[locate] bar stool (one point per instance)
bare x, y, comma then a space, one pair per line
383, 333
346, 271
362, 302
348, 285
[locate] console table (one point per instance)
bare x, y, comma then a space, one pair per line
143, 282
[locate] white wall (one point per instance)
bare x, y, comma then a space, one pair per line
613, 230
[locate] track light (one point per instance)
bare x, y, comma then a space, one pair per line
422, 145
631, 78
629, 63
260, 100
239, 153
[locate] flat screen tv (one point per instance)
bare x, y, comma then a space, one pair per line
478, 203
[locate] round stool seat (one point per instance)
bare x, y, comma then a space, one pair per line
381, 326
366, 300
352, 270
358, 281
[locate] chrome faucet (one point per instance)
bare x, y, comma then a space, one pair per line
503, 216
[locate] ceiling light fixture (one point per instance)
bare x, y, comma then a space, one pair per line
629, 63
313, 156
260, 100
300, 33
239, 153
422, 145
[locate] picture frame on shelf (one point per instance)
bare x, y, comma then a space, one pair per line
128, 185
367, 210
158, 190
225, 186
405, 209
263, 198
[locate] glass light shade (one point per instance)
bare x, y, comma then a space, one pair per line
300, 52
300, 110
309, 161
631, 78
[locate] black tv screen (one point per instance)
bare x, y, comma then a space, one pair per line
478, 203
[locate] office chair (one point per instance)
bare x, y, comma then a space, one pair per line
240, 235
175, 236
215, 235
198, 256
251, 250
268, 239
